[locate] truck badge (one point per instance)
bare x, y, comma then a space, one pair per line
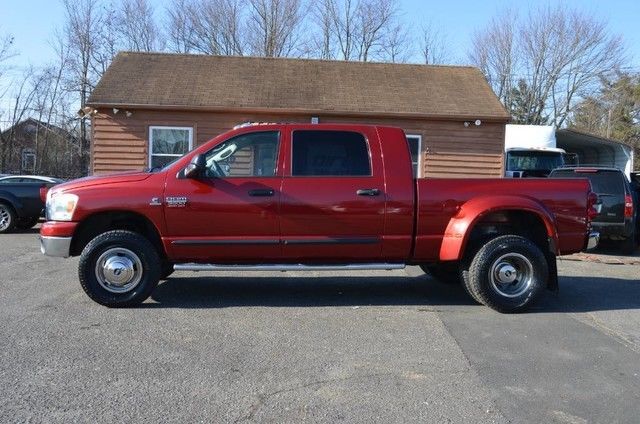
155, 201
176, 202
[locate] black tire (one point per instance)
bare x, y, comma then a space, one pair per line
519, 261
8, 218
26, 223
119, 246
445, 272
628, 245
464, 277
167, 270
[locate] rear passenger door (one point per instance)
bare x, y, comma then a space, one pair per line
332, 197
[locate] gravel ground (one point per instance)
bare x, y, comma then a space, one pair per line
317, 347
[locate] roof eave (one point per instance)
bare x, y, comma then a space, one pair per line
300, 111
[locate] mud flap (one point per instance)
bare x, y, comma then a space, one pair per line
552, 283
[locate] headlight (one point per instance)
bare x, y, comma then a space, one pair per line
60, 207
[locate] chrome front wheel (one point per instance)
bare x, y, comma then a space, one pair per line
119, 270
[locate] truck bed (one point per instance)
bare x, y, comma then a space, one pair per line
440, 200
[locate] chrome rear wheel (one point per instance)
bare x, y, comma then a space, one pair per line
511, 275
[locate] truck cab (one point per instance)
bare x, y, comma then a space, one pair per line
536, 162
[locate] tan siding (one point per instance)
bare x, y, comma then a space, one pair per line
449, 149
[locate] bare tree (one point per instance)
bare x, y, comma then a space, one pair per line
55, 155
109, 39
494, 51
374, 18
344, 23
6, 52
180, 30
207, 26
273, 27
322, 43
217, 27
555, 55
90, 38
433, 46
360, 29
137, 27
396, 45
20, 101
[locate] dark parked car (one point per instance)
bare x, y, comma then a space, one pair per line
618, 217
635, 187
22, 200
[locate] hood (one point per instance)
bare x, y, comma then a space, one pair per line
122, 177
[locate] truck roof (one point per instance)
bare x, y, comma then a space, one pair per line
313, 125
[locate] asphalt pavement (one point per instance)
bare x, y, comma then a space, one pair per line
314, 347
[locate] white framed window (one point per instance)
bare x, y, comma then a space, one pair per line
166, 144
415, 147
28, 160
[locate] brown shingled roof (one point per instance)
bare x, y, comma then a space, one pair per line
177, 81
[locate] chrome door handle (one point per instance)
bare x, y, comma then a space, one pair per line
368, 192
261, 193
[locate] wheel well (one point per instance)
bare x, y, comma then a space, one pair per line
99, 223
7, 202
517, 222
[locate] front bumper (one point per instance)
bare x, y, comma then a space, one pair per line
593, 240
55, 246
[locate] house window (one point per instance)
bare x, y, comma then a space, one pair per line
167, 144
28, 160
415, 147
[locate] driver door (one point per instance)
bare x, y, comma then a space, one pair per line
229, 214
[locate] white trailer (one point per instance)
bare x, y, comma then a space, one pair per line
587, 148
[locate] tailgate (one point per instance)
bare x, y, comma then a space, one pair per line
610, 188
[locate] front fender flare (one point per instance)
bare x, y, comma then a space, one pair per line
459, 229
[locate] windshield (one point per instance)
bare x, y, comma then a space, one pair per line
165, 167
533, 161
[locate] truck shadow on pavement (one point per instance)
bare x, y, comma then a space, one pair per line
590, 294
577, 294
220, 292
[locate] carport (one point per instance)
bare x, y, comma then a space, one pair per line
593, 150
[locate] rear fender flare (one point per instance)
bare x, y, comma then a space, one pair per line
459, 229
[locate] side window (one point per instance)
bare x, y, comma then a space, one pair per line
415, 148
247, 155
11, 180
329, 153
166, 144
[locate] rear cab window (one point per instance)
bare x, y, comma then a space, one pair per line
330, 153
602, 181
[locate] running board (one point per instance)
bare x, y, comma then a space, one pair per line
287, 267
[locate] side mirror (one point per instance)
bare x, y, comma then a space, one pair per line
197, 167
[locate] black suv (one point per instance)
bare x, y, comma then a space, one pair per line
618, 217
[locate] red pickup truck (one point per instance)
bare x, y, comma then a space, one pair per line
315, 197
